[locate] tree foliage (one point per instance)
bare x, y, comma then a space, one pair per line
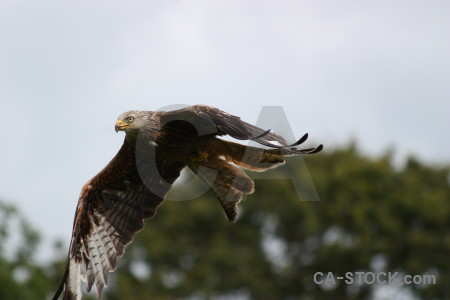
20, 276
372, 216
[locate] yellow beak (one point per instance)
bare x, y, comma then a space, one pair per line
120, 125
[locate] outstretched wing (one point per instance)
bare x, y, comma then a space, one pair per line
111, 209
210, 120
230, 184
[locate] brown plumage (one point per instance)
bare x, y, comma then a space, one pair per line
113, 205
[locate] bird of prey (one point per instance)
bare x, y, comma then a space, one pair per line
113, 204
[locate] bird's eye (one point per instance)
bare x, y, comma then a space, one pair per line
130, 119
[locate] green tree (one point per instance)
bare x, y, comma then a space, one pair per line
20, 276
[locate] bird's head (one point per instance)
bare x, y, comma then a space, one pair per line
132, 120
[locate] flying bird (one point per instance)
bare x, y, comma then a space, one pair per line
113, 204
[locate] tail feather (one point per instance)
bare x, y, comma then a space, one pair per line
229, 183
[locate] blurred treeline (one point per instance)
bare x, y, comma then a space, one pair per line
372, 216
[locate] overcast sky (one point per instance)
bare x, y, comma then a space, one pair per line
374, 71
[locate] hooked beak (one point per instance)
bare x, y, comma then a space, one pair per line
120, 126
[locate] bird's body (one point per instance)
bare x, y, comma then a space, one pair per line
113, 205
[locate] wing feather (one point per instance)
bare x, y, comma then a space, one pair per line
111, 209
211, 120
